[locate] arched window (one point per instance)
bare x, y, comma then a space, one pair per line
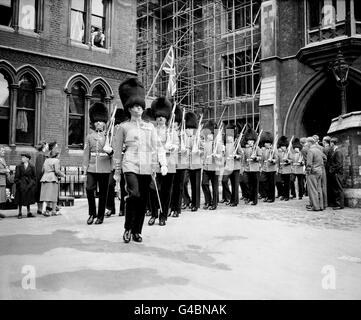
4, 109
25, 111
98, 95
76, 115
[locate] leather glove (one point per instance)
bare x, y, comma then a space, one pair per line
108, 149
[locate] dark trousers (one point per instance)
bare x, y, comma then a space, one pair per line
226, 193
110, 204
177, 191
164, 184
269, 185
301, 184
337, 189
243, 185
137, 187
210, 198
285, 185
195, 179
262, 185
234, 177
102, 180
186, 197
252, 179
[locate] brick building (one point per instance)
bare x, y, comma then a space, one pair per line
56, 59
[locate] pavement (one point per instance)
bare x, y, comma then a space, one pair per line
269, 251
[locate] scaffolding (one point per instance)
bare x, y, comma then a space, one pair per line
217, 54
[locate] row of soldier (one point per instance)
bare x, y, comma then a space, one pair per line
148, 152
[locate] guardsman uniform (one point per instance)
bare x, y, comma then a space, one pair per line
252, 158
298, 167
141, 144
162, 107
212, 155
97, 163
232, 165
269, 166
284, 168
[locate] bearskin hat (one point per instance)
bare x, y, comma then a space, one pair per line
296, 143
120, 116
131, 92
191, 120
148, 115
282, 142
51, 145
266, 137
250, 134
178, 115
161, 108
98, 112
209, 127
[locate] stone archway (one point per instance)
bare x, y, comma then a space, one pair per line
314, 106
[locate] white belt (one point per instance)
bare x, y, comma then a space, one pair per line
99, 154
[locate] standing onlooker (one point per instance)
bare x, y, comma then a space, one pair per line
49, 182
25, 184
336, 174
39, 162
314, 169
4, 171
326, 141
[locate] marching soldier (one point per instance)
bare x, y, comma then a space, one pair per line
191, 157
162, 109
97, 162
211, 156
269, 165
284, 167
252, 158
298, 167
232, 164
141, 143
178, 182
120, 117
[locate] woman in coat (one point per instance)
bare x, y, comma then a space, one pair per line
4, 171
49, 182
39, 162
25, 184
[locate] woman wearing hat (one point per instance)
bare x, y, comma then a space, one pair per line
97, 162
40, 158
25, 185
137, 163
50, 182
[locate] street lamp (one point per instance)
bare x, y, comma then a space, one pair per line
340, 69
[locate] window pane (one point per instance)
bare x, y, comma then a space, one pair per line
26, 93
357, 10
78, 5
6, 12
341, 10
98, 7
76, 131
98, 95
4, 91
77, 26
314, 13
25, 125
27, 14
77, 99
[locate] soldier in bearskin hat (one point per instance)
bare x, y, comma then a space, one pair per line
119, 117
232, 166
268, 165
97, 162
178, 182
284, 165
252, 158
297, 168
162, 110
141, 142
190, 157
211, 151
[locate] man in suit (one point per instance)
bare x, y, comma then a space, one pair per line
336, 174
314, 170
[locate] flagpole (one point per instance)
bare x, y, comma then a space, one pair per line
156, 76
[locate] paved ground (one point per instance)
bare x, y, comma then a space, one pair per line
269, 251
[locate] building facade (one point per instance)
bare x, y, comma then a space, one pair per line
56, 59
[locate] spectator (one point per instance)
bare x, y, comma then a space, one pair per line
336, 174
49, 182
4, 172
43, 147
25, 185
97, 37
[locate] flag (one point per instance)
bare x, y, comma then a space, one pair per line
168, 67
